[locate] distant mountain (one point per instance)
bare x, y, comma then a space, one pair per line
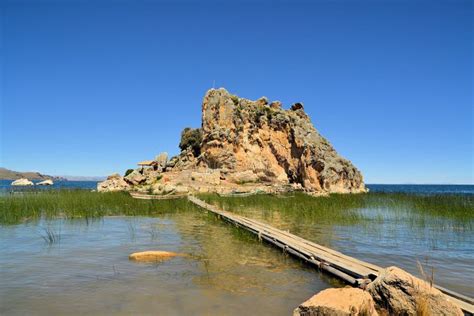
85, 178
6, 174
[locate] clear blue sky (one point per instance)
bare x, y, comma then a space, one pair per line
92, 87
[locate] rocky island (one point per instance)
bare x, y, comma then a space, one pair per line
245, 146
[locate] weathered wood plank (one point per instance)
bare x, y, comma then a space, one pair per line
143, 196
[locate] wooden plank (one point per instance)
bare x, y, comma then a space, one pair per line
342, 264
350, 269
142, 196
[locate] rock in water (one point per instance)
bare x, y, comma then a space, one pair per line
46, 182
153, 255
22, 182
338, 302
403, 294
278, 145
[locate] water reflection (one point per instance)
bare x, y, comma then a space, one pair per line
88, 272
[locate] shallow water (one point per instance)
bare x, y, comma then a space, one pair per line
225, 271
446, 249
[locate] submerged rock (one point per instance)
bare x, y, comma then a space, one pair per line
22, 182
152, 255
403, 294
338, 302
46, 182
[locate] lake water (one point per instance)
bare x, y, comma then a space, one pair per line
389, 188
89, 185
224, 271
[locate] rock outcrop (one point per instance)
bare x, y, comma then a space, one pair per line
113, 183
276, 145
22, 182
403, 294
338, 302
246, 145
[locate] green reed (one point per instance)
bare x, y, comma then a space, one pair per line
349, 209
18, 208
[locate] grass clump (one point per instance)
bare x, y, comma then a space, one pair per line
50, 236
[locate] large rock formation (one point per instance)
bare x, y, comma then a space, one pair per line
278, 146
253, 145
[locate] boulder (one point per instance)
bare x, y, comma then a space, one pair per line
168, 188
262, 101
135, 178
403, 294
181, 189
152, 256
113, 183
297, 106
162, 159
338, 302
151, 176
22, 182
211, 177
114, 176
275, 105
45, 182
163, 189
243, 177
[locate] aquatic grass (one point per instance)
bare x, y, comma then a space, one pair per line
68, 204
50, 236
299, 211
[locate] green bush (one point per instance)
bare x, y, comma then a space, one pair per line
129, 171
191, 137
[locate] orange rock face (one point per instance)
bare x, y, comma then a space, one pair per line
279, 146
340, 302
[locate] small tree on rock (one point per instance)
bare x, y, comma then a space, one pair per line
191, 137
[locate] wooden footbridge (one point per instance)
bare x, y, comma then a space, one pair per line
353, 271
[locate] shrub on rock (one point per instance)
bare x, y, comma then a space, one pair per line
191, 137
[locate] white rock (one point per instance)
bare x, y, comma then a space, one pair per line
22, 182
45, 182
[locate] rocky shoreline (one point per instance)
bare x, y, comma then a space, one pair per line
393, 292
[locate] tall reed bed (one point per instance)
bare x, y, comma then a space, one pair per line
17, 208
362, 209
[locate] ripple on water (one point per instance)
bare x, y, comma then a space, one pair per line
88, 270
